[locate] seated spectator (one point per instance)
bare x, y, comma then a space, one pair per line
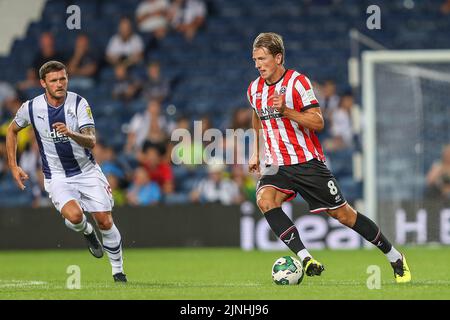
7, 92
341, 132
438, 178
83, 64
31, 82
159, 171
239, 149
187, 16
125, 87
187, 151
155, 87
30, 162
329, 102
7, 95
143, 191
125, 47
151, 17
245, 182
216, 188
150, 126
108, 162
9, 111
47, 53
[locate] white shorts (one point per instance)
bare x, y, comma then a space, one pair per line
90, 189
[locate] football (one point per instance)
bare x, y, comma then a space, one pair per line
287, 271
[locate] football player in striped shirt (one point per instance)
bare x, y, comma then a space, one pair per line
65, 132
288, 114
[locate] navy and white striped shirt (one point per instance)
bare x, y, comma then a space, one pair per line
61, 156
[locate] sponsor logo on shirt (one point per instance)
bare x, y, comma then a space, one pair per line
57, 137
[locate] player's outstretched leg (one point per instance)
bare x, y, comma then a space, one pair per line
94, 245
112, 244
76, 221
372, 233
269, 201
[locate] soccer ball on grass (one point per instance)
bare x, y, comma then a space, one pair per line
287, 271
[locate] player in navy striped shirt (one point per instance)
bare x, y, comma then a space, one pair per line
65, 132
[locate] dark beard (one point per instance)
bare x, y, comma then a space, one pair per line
57, 98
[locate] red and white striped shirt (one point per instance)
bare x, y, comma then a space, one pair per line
286, 142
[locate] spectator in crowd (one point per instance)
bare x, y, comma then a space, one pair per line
107, 159
83, 64
245, 182
234, 145
242, 119
438, 178
187, 16
143, 191
7, 95
47, 52
159, 171
329, 102
187, 156
10, 109
216, 188
30, 162
341, 132
125, 47
186, 151
125, 86
7, 92
156, 87
112, 164
31, 82
151, 17
149, 126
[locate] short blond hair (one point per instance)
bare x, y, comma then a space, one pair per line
272, 41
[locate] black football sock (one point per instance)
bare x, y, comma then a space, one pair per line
284, 228
371, 232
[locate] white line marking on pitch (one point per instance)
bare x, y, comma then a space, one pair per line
20, 283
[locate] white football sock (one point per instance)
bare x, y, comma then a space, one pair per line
303, 254
393, 255
83, 226
112, 244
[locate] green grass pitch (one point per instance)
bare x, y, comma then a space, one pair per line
218, 273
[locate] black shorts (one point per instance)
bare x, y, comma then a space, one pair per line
312, 180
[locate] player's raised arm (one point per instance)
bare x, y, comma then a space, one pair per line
11, 150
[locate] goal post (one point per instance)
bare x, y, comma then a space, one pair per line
406, 112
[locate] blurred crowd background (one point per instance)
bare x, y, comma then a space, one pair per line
148, 67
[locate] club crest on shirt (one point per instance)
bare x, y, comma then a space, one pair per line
71, 114
283, 90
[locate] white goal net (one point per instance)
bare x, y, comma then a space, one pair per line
406, 103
